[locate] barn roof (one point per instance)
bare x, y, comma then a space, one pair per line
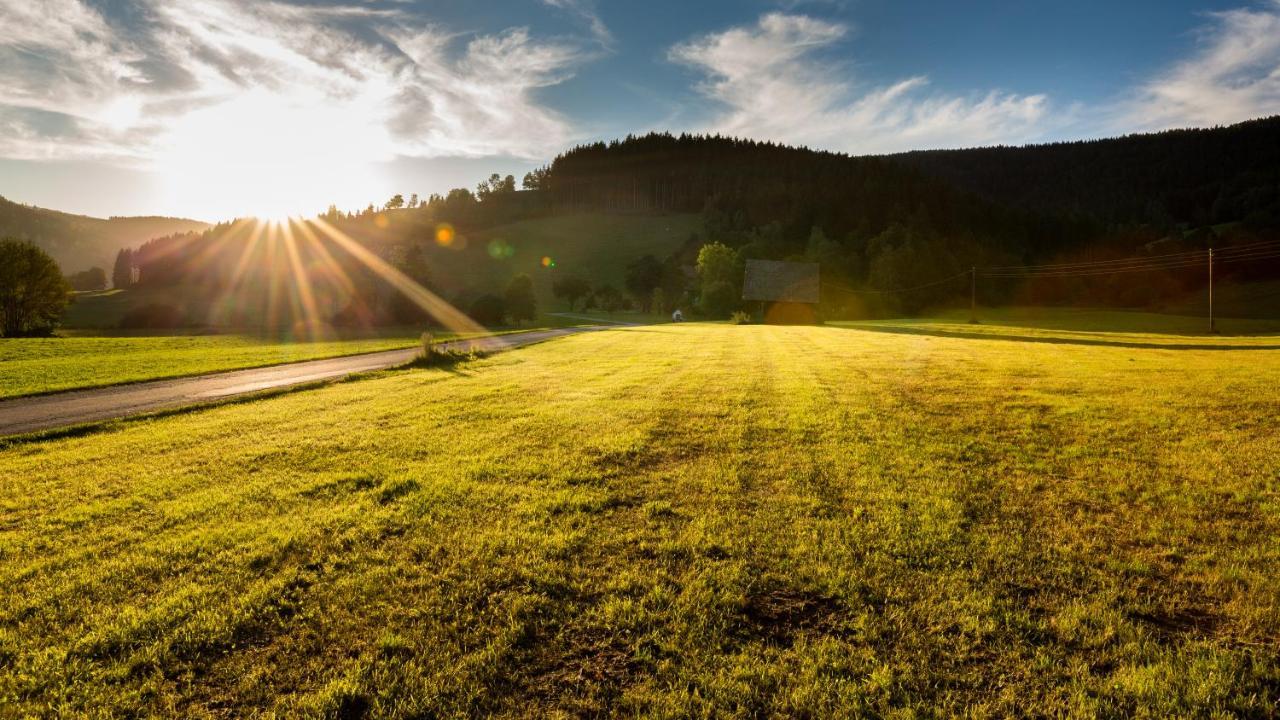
774, 281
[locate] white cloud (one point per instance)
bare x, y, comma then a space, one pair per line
775, 83
73, 85
586, 12
1234, 76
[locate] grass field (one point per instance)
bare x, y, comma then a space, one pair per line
33, 366
1054, 320
40, 365
103, 309
1114, 328
678, 521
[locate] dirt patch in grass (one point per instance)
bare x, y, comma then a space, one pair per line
352, 707
582, 671
1172, 624
779, 616
594, 657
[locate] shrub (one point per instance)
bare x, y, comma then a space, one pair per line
718, 299
609, 299
89, 280
489, 310
521, 303
740, 318
434, 356
571, 288
658, 303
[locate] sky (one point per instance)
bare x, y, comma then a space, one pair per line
214, 109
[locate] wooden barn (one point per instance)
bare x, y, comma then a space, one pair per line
787, 292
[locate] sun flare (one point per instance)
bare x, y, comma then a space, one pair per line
271, 157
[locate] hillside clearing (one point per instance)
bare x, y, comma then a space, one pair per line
594, 246
700, 520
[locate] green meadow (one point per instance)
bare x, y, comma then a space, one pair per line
31, 366
1078, 324
703, 520
34, 366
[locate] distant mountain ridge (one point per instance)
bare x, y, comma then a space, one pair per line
79, 242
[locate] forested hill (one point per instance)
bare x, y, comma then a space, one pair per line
1193, 178
743, 185
920, 219
78, 242
1030, 201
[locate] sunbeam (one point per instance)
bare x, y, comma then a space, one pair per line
302, 288
432, 304
333, 269
228, 297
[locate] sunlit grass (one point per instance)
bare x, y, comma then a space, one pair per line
1084, 324
41, 365
684, 521
32, 366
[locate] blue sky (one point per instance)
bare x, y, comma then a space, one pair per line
215, 108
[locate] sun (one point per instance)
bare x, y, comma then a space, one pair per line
271, 157
276, 218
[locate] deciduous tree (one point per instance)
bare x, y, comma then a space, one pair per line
521, 303
88, 280
489, 310
33, 293
571, 288
643, 275
609, 299
717, 275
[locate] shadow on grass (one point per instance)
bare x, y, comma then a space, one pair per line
938, 332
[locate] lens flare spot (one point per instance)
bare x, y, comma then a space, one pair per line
381, 221
500, 249
445, 234
548, 262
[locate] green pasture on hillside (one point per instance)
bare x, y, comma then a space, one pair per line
594, 246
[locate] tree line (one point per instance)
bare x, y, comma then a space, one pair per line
875, 225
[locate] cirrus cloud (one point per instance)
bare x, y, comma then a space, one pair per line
75, 83
1234, 75
772, 81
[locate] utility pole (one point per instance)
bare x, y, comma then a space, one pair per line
973, 295
1212, 329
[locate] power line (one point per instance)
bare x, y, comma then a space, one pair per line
1256, 256
1263, 250
846, 288
1091, 263
1248, 252
1149, 267
1185, 256
1175, 264
1248, 246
